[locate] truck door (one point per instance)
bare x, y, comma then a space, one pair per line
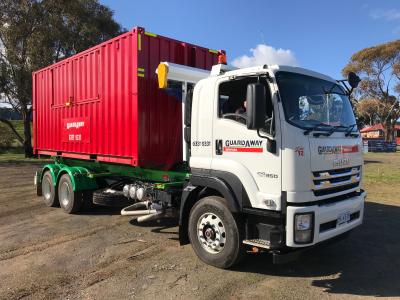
243, 152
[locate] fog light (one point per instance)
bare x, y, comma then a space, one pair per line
303, 228
270, 203
303, 237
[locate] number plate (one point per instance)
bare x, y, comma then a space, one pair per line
340, 162
343, 218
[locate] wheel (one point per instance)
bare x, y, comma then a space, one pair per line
216, 236
111, 198
70, 201
49, 191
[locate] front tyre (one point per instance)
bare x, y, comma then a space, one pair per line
70, 201
216, 236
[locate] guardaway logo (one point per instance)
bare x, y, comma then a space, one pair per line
76, 125
337, 149
254, 146
76, 130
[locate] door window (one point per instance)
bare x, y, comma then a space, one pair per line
232, 103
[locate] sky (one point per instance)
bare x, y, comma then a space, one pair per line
317, 35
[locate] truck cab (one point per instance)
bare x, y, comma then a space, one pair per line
280, 148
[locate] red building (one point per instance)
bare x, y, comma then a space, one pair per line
376, 132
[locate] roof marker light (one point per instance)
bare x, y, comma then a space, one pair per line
222, 57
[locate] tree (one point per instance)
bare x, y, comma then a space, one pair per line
369, 111
36, 33
6, 136
379, 68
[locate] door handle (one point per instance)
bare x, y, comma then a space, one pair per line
218, 147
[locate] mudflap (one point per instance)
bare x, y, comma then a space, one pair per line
38, 183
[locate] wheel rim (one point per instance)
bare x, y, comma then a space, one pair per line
211, 233
64, 194
46, 189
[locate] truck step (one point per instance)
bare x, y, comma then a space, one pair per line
258, 243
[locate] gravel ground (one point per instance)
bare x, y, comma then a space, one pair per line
98, 254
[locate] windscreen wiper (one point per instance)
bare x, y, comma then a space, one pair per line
330, 132
315, 127
350, 129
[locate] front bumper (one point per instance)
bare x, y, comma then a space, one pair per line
325, 226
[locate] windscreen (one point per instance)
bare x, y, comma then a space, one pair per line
309, 101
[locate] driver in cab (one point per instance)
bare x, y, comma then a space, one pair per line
242, 110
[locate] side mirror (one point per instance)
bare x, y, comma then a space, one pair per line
353, 79
256, 105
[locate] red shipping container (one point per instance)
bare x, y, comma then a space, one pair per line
104, 103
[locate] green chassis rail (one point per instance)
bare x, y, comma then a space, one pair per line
85, 174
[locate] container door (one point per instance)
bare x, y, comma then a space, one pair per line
86, 75
62, 85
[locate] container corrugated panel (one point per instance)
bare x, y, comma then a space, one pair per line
104, 103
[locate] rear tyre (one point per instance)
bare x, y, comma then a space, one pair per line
70, 201
215, 234
49, 191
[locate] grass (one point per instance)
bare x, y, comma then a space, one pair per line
381, 173
382, 177
19, 126
16, 155
10, 148
9, 135
382, 168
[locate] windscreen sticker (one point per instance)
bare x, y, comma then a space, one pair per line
299, 150
254, 146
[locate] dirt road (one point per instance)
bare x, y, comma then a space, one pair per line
47, 254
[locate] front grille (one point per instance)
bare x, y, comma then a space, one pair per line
335, 189
329, 200
333, 172
327, 226
354, 216
332, 224
334, 181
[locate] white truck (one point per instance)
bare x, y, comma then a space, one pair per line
275, 160
272, 161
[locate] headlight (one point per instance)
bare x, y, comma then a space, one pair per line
303, 222
303, 228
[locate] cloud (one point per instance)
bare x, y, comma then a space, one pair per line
263, 54
388, 15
